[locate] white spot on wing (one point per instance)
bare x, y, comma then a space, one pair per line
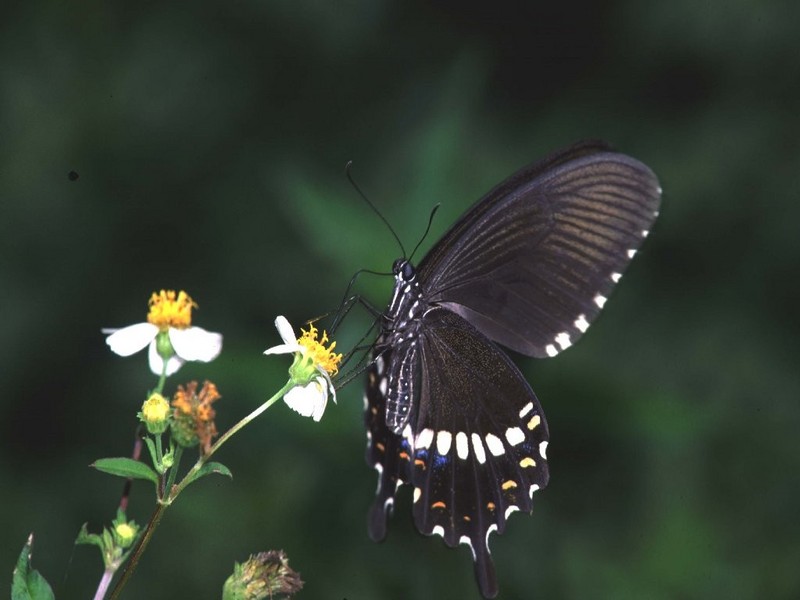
543, 449
462, 445
600, 300
645, 233
551, 350
511, 509
562, 339
379, 365
492, 528
408, 435
615, 277
443, 441
534, 488
383, 385
631, 253
581, 323
464, 539
438, 530
424, 439
525, 410
495, 444
515, 435
477, 446
417, 494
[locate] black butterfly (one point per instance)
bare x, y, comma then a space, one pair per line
529, 267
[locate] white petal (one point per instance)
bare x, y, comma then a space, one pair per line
285, 330
131, 339
195, 343
309, 400
327, 380
284, 349
157, 363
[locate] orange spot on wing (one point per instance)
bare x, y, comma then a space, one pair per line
438, 504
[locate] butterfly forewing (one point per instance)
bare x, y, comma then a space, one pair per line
533, 262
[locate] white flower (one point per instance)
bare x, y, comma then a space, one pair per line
311, 371
168, 333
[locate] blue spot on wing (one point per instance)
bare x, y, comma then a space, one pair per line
439, 461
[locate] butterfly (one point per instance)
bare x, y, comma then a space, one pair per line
528, 267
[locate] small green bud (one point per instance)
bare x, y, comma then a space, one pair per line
168, 460
125, 534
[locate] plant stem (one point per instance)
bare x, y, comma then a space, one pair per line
173, 493
155, 519
102, 587
178, 453
163, 379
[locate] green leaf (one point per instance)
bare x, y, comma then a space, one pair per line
210, 468
27, 583
84, 537
125, 467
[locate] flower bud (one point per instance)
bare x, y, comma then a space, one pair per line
264, 575
125, 534
155, 414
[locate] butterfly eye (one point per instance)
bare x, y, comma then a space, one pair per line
407, 271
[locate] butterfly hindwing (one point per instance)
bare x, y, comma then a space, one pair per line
474, 450
386, 451
487, 454
533, 262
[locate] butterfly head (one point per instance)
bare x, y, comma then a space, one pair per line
404, 271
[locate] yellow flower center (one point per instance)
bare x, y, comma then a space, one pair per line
316, 350
170, 310
126, 532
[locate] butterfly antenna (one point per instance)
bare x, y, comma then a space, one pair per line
347, 169
427, 230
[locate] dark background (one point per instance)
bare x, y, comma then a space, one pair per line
210, 139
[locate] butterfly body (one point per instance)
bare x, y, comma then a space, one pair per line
528, 267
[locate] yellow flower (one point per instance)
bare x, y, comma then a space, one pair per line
155, 414
311, 371
169, 333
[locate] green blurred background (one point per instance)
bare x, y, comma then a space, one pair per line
210, 140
